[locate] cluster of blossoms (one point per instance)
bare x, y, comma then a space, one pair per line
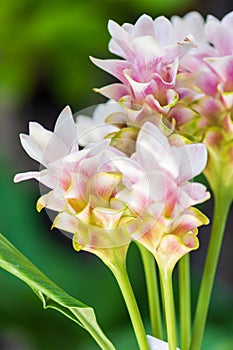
130, 180
178, 75
106, 198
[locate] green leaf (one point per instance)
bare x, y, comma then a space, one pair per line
49, 293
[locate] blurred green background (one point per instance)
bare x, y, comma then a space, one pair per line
44, 65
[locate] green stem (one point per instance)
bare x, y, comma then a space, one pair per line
185, 301
222, 205
166, 279
121, 276
115, 259
152, 291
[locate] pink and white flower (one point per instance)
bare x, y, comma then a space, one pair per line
83, 183
162, 197
208, 72
150, 63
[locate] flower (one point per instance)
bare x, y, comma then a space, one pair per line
83, 184
208, 72
157, 344
162, 197
105, 198
149, 67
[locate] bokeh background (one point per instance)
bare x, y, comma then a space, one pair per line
44, 65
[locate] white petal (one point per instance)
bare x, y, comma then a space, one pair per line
147, 49
65, 128
88, 131
191, 160
32, 148
39, 135
163, 30
36, 142
157, 344
155, 151
53, 200
156, 186
120, 39
227, 20
220, 36
27, 176
131, 170
191, 23
144, 26
103, 110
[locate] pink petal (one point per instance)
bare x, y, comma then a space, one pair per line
136, 201
139, 90
155, 105
188, 221
105, 185
66, 222
181, 114
106, 218
114, 91
114, 67
190, 194
172, 248
210, 108
146, 230
196, 192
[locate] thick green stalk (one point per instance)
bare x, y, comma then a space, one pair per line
222, 205
185, 301
152, 291
166, 279
121, 276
